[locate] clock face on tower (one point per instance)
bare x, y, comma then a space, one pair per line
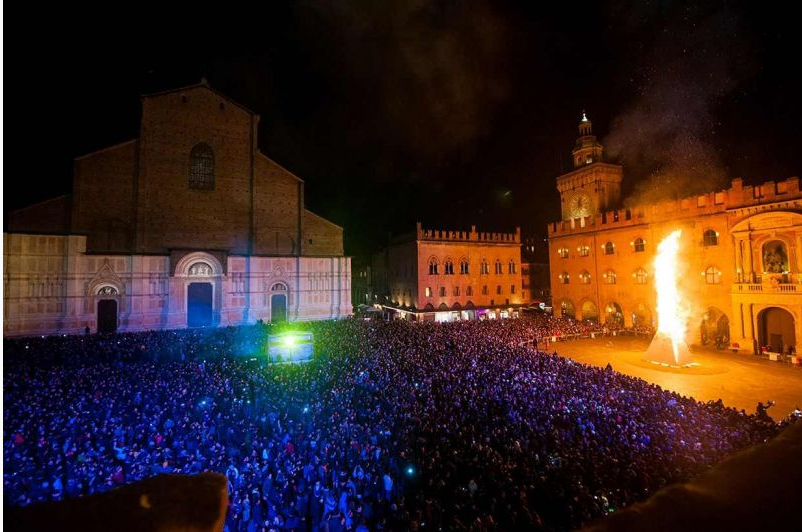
579, 206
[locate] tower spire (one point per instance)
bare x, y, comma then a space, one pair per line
587, 149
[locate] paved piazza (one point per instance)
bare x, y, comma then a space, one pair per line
739, 380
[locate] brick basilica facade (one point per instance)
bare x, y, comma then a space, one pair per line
188, 224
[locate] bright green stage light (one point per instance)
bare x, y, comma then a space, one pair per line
289, 340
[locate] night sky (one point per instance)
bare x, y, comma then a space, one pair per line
447, 112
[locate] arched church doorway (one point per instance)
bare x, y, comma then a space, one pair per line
278, 303
776, 329
278, 308
199, 304
107, 316
715, 326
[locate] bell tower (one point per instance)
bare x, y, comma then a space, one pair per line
593, 186
587, 149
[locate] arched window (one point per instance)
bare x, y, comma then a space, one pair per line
463, 267
107, 291
710, 238
584, 251
640, 276
511, 267
449, 268
609, 248
639, 244
201, 167
432, 266
200, 269
584, 277
712, 275
563, 252
279, 287
610, 277
565, 278
499, 270
484, 268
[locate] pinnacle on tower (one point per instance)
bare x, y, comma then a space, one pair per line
587, 149
585, 125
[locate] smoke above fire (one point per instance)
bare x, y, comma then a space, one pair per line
667, 138
436, 69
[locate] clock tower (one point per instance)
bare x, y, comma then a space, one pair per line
592, 186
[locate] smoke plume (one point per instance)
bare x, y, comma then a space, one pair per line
435, 67
667, 138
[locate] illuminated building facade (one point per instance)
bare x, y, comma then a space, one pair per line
451, 275
535, 280
188, 224
741, 252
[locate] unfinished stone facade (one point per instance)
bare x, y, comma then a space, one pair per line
189, 202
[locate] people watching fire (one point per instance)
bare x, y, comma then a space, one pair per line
394, 425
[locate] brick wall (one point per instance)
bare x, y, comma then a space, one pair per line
173, 215
50, 216
321, 237
277, 208
103, 198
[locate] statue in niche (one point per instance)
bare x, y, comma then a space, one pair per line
775, 257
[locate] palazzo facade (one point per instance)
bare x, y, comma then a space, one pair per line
444, 275
740, 255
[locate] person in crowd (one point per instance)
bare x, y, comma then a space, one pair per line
394, 425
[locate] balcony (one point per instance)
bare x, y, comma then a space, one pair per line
771, 284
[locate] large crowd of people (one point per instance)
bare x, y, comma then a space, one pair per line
394, 425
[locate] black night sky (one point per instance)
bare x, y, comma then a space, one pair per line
447, 112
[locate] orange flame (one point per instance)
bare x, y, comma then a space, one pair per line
670, 322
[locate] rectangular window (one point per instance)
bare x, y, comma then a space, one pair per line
498, 290
484, 290
428, 291
469, 291
456, 290
442, 291
512, 289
